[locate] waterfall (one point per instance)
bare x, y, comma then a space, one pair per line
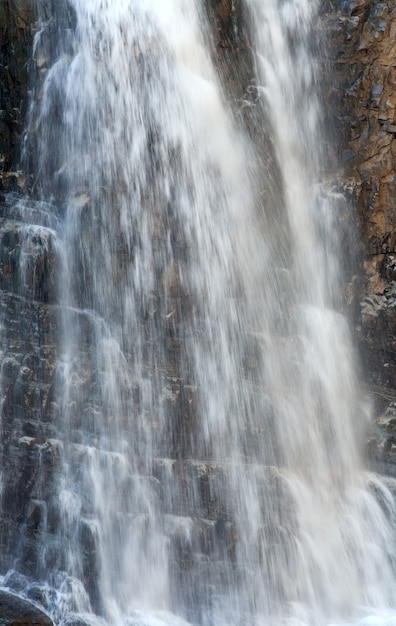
206, 400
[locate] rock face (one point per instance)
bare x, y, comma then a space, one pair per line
35, 437
364, 108
361, 104
17, 20
14, 611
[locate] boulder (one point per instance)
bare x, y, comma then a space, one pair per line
16, 611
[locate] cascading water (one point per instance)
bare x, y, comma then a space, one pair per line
206, 389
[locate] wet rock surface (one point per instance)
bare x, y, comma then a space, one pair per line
16, 611
82, 620
362, 106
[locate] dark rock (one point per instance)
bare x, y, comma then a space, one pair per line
15, 581
16, 36
388, 268
382, 441
41, 593
16, 611
90, 562
28, 261
82, 619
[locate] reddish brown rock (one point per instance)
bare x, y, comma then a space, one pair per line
362, 102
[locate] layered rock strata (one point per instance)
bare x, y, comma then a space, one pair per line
361, 105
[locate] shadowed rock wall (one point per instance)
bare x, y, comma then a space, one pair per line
17, 19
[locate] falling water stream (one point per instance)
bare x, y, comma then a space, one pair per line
207, 391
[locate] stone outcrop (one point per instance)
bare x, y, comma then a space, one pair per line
15, 611
362, 107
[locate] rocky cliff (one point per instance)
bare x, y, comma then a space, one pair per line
360, 104
362, 108
17, 23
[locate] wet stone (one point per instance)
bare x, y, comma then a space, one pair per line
16, 611
15, 581
83, 620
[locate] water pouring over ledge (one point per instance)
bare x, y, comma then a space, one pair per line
206, 391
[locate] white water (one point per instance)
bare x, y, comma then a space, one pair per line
201, 346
